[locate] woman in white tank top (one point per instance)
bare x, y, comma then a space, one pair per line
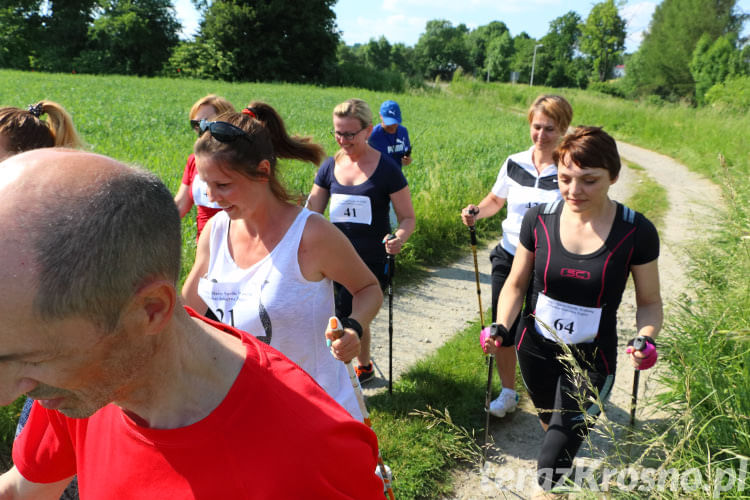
265, 265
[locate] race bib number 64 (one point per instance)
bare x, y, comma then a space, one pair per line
350, 208
572, 324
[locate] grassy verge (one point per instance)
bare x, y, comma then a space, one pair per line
649, 197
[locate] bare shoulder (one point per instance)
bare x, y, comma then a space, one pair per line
318, 228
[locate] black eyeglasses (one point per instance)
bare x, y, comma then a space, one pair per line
195, 125
223, 131
346, 135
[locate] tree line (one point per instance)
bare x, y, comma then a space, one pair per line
690, 46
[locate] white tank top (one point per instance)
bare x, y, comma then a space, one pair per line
273, 301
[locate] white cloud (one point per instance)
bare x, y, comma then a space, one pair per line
449, 8
637, 16
395, 28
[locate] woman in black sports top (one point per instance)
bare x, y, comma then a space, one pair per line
581, 251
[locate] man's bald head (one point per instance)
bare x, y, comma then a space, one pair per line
95, 230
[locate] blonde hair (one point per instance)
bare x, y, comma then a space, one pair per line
353, 108
25, 130
555, 107
220, 104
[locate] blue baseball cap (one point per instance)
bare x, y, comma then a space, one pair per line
390, 112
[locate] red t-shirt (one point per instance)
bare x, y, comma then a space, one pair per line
202, 206
276, 435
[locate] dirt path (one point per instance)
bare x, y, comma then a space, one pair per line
437, 308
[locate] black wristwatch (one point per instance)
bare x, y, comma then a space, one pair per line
353, 324
499, 330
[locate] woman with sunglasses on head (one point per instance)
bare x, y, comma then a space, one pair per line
264, 264
577, 253
192, 190
23, 130
360, 182
526, 179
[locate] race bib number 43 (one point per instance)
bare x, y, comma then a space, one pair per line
570, 323
350, 208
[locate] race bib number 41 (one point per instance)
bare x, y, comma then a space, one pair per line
350, 208
570, 323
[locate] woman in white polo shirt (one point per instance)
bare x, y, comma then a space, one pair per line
526, 179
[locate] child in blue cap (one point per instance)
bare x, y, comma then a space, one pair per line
390, 137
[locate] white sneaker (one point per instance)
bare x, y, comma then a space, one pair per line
506, 402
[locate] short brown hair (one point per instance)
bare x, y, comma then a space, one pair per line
590, 147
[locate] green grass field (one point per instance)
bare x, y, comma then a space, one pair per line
461, 136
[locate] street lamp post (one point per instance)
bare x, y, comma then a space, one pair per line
533, 63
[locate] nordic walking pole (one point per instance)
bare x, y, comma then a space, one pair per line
334, 326
640, 343
491, 357
634, 396
390, 262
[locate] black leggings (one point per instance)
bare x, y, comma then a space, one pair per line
563, 401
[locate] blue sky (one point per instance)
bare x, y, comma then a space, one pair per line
404, 20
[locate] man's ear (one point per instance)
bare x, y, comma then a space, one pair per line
153, 306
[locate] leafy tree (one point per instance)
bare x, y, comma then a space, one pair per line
64, 34
667, 48
349, 54
199, 60
555, 63
273, 39
603, 38
20, 25
734, 94
403, 59
378, 53
441, 49
131, 37
479, 41
523, 52
713, 63
500, 57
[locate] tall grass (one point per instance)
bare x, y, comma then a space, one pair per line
459, 144
460, 138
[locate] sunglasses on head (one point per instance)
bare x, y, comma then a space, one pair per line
195, 125
222, 131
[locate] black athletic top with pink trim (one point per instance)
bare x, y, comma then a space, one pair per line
595, 280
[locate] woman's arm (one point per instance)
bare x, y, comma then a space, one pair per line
649, 314
514, 290
488, 207
183, 199
200, 268
325, 252
318, 199
407, 221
